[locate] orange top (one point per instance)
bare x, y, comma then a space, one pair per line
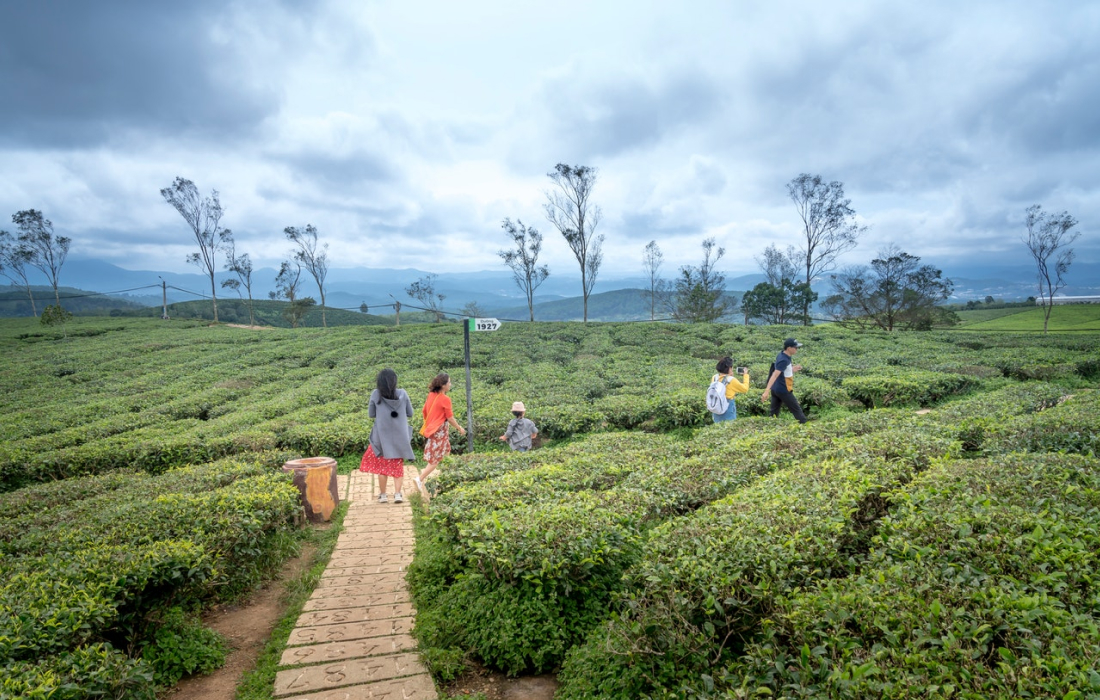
437, 409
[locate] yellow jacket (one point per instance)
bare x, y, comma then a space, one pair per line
735, 386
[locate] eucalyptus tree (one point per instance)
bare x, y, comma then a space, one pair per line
312, 256
829, 226
423, 290
523, 260
241, 266
13, 265
41, 248
699, 294
1049, 238
203, 215
570, 209
287, 284
652, 259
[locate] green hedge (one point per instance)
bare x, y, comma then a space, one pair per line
706, 581
133, 548
981, 584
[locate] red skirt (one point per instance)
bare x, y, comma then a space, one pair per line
373, 464
437, 446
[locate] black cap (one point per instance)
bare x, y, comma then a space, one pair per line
791, 343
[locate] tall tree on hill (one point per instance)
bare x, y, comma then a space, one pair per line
41, 248
313, 257
570, 209
897, 292
423, 290
241, 266
652, 259
700, 292
13, 264
203, 215
523, 260
829, 226
1049, 240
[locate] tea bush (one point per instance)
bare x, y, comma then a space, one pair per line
980, 584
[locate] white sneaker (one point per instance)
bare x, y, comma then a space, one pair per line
398, 497
382, 498
418, 484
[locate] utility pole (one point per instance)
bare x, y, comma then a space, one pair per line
163, 299
466, 323
396, 310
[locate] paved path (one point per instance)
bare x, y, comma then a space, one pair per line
353, 640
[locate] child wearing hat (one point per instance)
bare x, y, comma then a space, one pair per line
520, 430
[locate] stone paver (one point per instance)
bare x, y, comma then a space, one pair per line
352, 640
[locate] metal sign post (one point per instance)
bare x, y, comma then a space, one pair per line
477, 324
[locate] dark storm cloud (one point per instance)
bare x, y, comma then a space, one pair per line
1053, 107
612, 116
73, 73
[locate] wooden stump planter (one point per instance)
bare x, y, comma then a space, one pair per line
315, 478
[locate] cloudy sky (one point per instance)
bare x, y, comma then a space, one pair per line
406, 131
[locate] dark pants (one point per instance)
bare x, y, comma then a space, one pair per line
787, 399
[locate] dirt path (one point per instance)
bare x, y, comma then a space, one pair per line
247, 627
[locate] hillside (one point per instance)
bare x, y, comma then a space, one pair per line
1076, 317
14, 302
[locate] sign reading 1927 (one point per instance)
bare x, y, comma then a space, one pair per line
484, 324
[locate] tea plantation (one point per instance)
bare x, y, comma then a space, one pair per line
644, 552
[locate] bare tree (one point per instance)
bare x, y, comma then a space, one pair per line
829, 225
42, 249
473, 310
1049, 240
241, 266
204, 216
313, 257
523, 260
423, 290
700, 292
569, 208
778, 266
287, 283
652, 259
13, 264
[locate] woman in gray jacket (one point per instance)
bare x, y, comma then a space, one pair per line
390, 437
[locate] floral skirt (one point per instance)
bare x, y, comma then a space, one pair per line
438, 446
373, 464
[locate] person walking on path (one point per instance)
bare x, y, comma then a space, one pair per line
520, 430
437, 414
390, 436
781, 382
733, 384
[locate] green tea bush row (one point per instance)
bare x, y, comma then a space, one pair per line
981, 584
154, 396
905, 387
705, 582
544, 542
112, 562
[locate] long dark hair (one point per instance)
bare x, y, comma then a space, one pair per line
439, 382
387, 384
724, 365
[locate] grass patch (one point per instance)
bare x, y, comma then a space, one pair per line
1073, 317
259, 683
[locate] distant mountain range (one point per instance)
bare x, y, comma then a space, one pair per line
615, 298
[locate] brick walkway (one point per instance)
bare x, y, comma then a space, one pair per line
352, 640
